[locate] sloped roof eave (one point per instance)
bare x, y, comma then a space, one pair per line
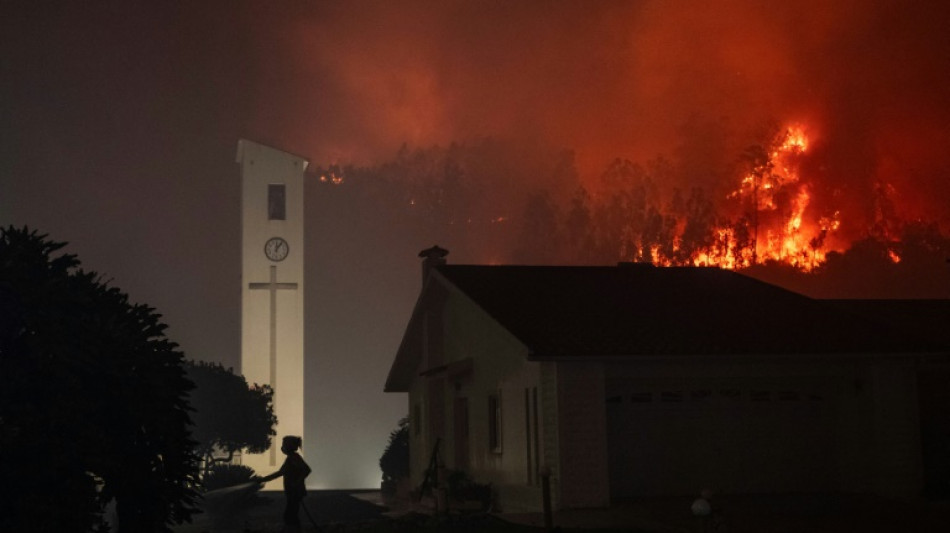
448, 283
396, 382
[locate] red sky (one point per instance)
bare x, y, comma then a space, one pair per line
118, 124
867, 79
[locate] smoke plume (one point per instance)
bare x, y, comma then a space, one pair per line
696, 83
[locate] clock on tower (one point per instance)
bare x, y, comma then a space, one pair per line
276, 249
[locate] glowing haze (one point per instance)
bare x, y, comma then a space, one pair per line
807, 127
866, 80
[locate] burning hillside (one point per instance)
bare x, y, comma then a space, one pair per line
768, 215
856, 165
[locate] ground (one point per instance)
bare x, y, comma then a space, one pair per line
345, 511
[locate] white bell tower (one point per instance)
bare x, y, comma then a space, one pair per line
272, 290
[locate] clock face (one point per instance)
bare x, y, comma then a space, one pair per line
276, 249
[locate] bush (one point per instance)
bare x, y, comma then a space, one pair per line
93, 399
395, 460
462, 488
229, 415
221, 476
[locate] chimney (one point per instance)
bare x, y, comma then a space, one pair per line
432, 258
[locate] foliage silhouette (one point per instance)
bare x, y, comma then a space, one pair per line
220, 476
92, 399
395, 459
228, 414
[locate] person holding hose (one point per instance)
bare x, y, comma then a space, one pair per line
294, 471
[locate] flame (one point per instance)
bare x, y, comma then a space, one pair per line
781, 220
333, 175
788, 237
795, 140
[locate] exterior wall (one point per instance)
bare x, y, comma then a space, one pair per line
420, 445
426, 393
499, 367
582, 436
526, 495
550, 442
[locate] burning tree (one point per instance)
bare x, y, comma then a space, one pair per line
772, 204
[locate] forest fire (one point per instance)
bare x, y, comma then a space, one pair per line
769, 218
774, 220
770, 207
781, 210
639, 156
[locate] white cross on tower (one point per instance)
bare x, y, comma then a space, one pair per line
273, 286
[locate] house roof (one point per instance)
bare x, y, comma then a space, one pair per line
926, 319
630, 310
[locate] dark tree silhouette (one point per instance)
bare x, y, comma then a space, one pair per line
229, 415
577, 229
395, 459
92, 399
539, 238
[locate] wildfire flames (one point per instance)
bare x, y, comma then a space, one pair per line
775, 204
769, 217
769, 206
333, 175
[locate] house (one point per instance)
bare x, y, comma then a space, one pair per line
631, 381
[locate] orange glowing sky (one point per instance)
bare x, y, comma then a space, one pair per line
620, 79
118, 124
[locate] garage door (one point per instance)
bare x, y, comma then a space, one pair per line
730, 435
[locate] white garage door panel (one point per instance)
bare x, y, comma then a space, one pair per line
727, 436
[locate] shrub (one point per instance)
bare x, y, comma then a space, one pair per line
93, 399
461, 488
395, 460
220, 476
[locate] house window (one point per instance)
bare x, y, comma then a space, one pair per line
494, 423
276, 202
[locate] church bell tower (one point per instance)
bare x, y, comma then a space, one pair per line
272, 291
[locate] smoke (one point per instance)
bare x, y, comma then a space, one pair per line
578, 85
122, 117
627, 79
